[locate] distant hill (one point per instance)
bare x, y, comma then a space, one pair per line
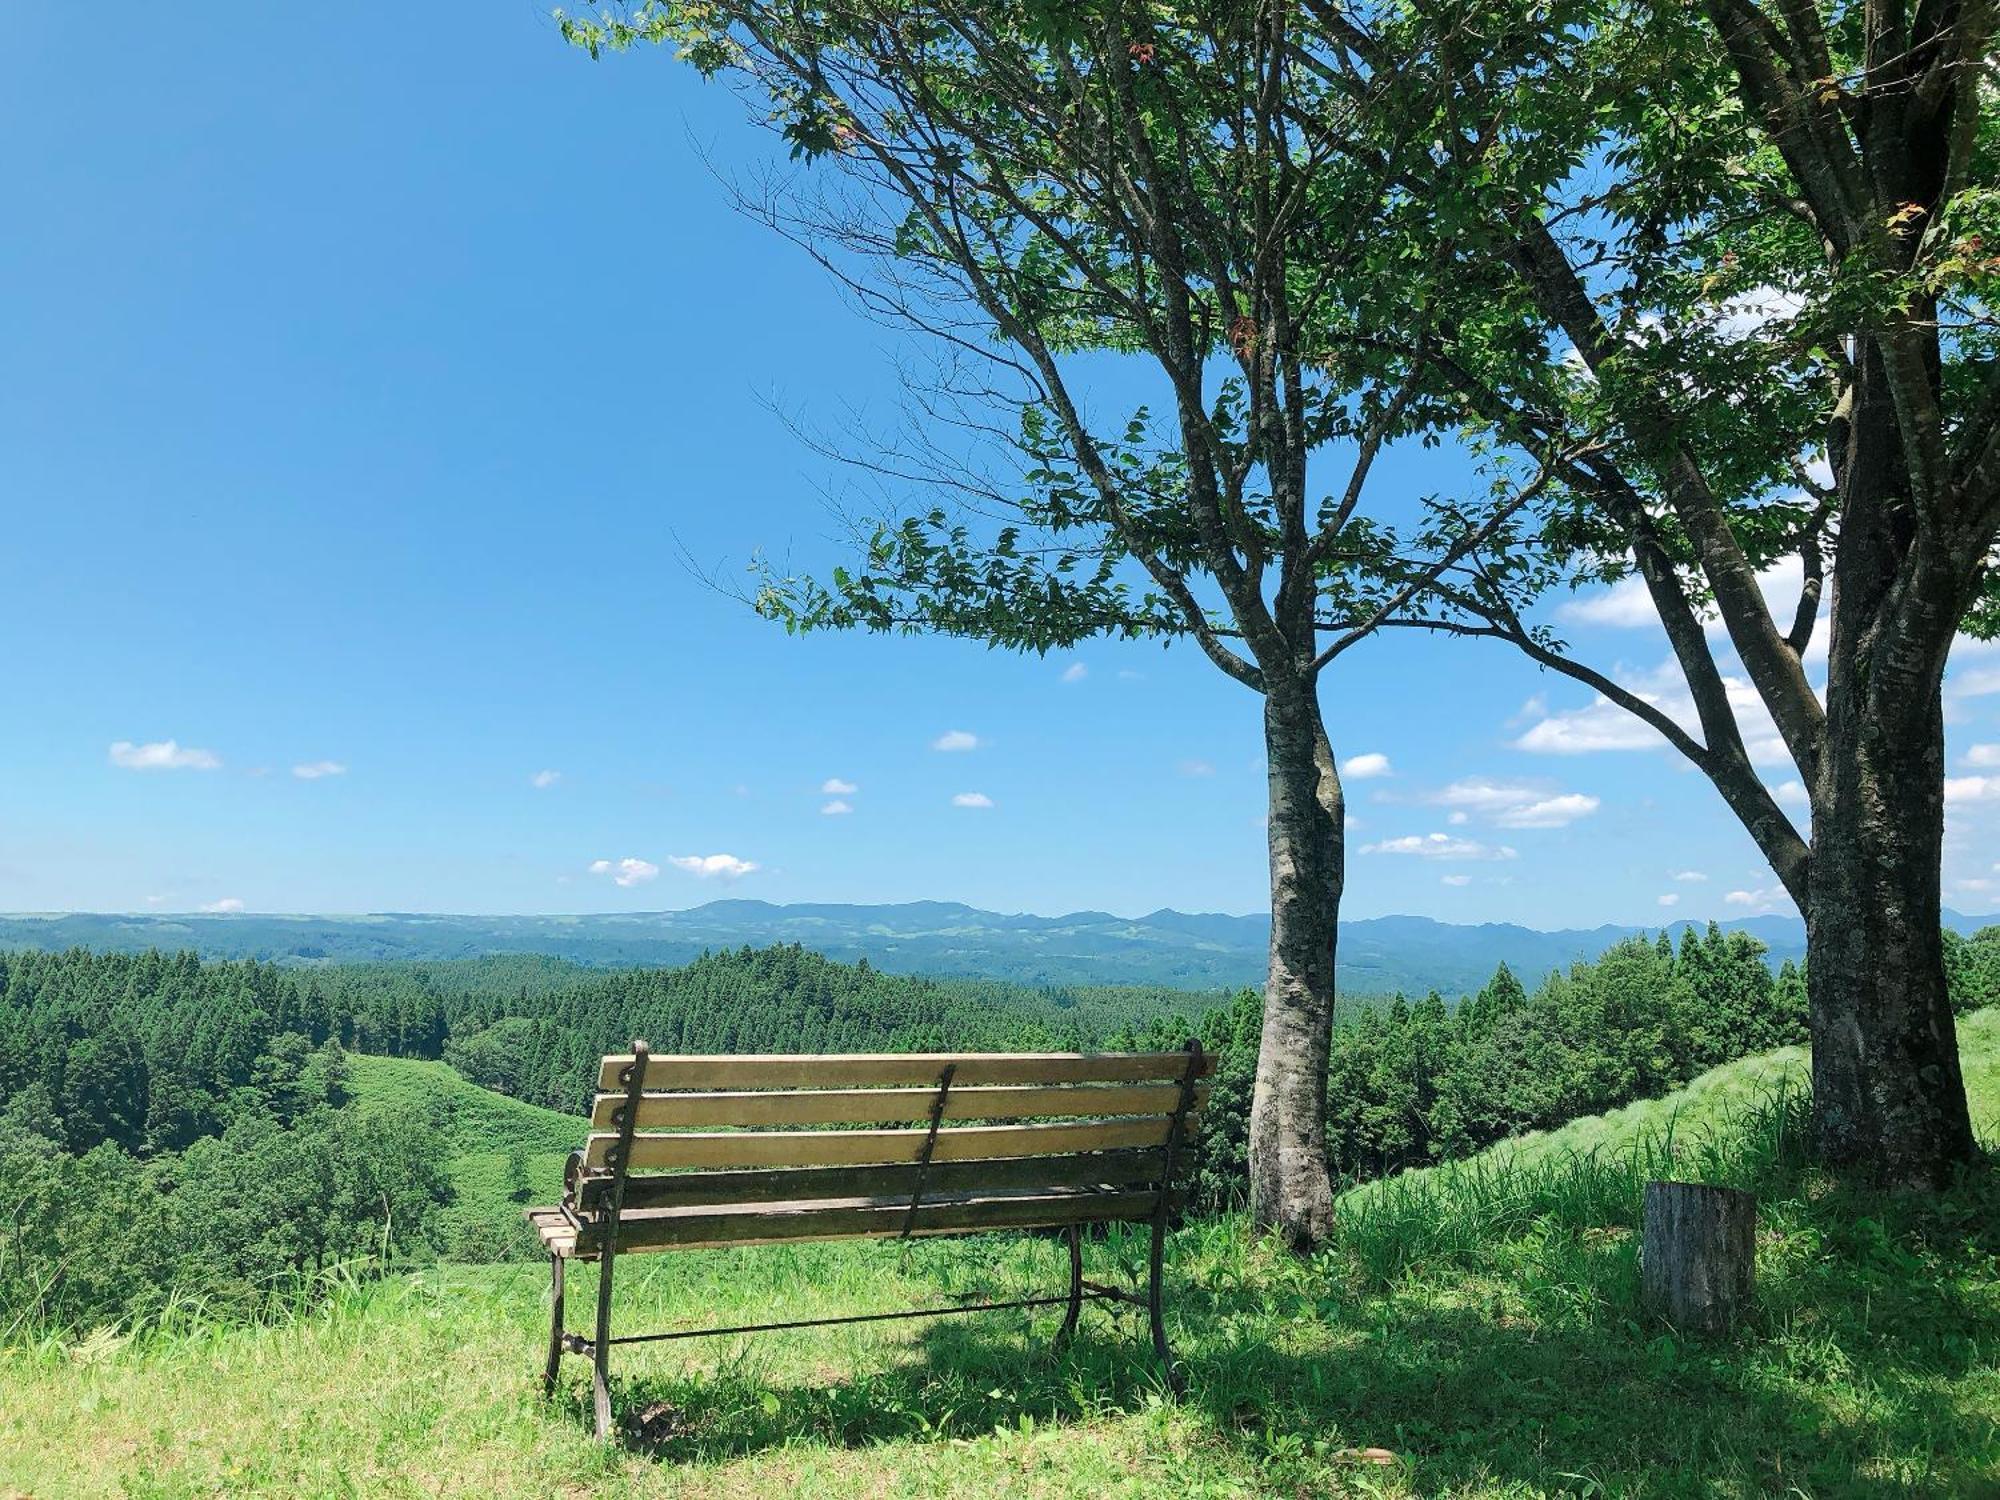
1182, 949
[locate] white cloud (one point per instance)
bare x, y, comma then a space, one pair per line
1625, 605
1971, 789
541, 781
836, 808
1978, 884
1439, 846
226, 903
163, 755
1984, 756
1515, 806
834, 786
1689, 877
1671, 898
1481, 795
1454, 880
1977, 683
1550, 812
1196, 768
956, 739
712, 866
313, 770
972, 799
627, 872
1458, 819
1366, 767
1792, 793
1536, 707
1076, 671
1603, 725
1765, 899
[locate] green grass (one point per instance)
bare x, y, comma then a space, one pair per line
483, 1131
1478, 1321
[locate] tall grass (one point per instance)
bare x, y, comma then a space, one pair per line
1454, 1214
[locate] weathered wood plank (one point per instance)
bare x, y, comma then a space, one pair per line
783, 1223
557, 1234
834, 1148
894, 1180
888, 1105
884, 1069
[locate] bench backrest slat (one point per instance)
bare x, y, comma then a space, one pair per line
885, 1106
779, 1224
885, 1180
886, 1069
832, 1148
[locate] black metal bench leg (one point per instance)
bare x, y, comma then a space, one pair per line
600, 1351
1074, 1236
554, 1366
1155, 1298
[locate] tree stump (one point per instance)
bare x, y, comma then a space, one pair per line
1698, 1255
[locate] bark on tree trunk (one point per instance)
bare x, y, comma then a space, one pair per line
1698, 1255
1291, 1193
1888, 1096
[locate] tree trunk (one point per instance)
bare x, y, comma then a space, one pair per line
1291, 1192
1888, 1097
1698, 1255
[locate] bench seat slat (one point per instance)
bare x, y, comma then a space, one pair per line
895, 1180
888, 1105
698, 1226
558, 1235
884, 1069
830, 1148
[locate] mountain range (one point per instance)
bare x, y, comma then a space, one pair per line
1191, 950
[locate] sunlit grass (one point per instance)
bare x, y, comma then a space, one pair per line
1478, 1321
484, 1133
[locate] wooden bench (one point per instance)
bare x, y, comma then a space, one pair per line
698, 1152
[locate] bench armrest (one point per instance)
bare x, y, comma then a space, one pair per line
574, 1173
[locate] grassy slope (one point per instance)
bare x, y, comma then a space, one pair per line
483, 1131
1505, 1362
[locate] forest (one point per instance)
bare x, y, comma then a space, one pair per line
179, 1130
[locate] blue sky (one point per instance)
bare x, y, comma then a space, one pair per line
361, 377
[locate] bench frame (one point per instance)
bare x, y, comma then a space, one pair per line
605, 1226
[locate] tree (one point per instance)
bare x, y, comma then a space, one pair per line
1138, 179
1973, 967
1690, 251
1666, 288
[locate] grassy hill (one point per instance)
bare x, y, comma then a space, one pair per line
502, 1153
1478, 1322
